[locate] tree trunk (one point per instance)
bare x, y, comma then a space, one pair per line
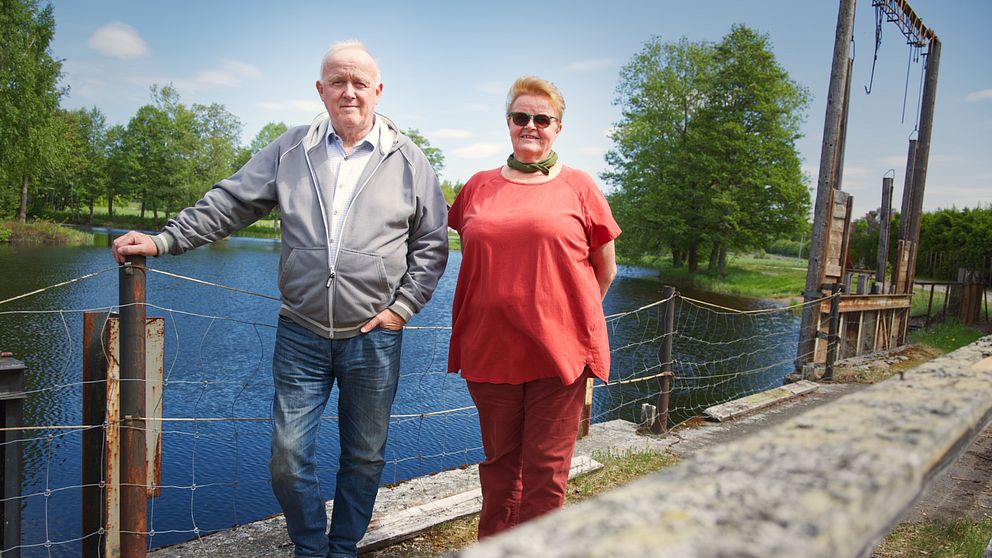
693, 257
676, 258
144, 194
89, 219
723, 260
714, 257
110, 205
22, 211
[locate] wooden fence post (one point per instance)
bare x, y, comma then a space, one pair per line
11, 413
660, 425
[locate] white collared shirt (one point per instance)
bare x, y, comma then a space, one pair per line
346, 170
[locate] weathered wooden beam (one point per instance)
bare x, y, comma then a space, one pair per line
826, 484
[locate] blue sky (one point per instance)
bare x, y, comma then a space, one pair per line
446, 67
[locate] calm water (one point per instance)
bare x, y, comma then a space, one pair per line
217, 365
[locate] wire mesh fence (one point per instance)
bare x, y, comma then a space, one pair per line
217, 391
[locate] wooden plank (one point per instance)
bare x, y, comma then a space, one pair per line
760, 400
112, 480
867, 303
402, 525
154, 366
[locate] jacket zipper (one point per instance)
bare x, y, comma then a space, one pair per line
337, 248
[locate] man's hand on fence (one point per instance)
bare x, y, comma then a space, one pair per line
133, 243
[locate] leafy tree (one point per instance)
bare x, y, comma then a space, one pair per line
216, 148
268, 134
450, 189
434, 154
29, 96
78, 174
953, 238
705, 151
121, 167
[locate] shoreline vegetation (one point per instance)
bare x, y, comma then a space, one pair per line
753, 276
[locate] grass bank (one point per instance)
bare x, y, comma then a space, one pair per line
962, 538
747, 275
42, 232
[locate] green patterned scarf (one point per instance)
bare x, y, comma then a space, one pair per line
542, 166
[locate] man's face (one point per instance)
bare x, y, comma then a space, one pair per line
350, 91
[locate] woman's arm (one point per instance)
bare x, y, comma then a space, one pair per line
604, 264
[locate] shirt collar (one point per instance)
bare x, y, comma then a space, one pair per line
367, 143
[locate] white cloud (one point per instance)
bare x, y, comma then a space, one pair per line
590, 65
230, 74
477, 107
983, 95
306, 105
119, 41
452, 133
480, 150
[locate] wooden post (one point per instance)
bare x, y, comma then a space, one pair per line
923, 148
11, 414
832, 331
586, 418
133, 452
884, 221
94, 414
827, 180
665, 358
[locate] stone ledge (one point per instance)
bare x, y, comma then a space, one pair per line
826, 484
758, 401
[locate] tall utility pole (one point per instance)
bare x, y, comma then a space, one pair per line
917, 35
828, 179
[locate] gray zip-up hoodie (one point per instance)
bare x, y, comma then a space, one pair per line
394, 243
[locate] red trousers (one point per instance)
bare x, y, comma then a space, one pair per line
528, 434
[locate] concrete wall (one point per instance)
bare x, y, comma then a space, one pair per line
829, 483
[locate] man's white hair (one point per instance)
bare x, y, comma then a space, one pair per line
349, 44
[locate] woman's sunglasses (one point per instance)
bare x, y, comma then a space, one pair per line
524, 118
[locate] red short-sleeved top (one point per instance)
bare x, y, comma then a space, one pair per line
527, 304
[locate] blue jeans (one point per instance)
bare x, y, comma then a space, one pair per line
304, 369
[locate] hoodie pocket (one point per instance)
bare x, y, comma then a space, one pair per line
301, 281
360, 287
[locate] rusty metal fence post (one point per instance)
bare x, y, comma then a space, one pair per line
132, 467
660, 425
11, 414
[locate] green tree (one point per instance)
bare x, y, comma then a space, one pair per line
450, 189
77, 174
434, 154
216, 148
705, 152
268, 134
655, 200
29, 97
121, 167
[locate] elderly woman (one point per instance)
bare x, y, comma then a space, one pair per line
527, 318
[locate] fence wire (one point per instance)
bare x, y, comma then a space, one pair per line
217, 393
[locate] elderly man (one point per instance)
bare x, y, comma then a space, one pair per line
364, 242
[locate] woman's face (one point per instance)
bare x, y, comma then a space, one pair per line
530, 142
